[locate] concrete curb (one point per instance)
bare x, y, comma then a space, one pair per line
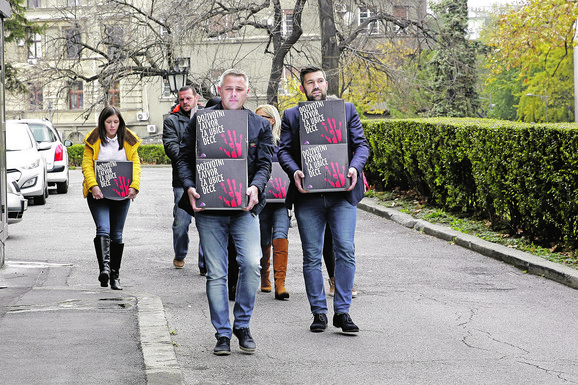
522, 260
161, 365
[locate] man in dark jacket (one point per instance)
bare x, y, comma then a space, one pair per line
316, 211
173, 128
216, 226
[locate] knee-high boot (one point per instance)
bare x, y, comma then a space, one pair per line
265, 282
280, 256
116, 250
102, 248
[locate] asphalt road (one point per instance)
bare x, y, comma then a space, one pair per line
430, 312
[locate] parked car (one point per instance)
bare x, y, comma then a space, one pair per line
56, 156
16, 202
24, 162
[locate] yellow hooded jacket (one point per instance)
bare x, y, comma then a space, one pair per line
91, 149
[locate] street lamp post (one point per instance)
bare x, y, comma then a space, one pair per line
545, 99
177, 76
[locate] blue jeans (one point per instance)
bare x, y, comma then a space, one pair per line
181, 222
273, 222
109, 216
314, 212
214, 231
201, 261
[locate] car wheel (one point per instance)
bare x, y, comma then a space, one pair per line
40, 200
62, 187
45, 192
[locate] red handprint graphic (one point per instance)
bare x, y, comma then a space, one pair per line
233, 195
235, 149
279, 188
337, 175
333, 133
122, 186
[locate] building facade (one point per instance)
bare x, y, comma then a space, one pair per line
95, 52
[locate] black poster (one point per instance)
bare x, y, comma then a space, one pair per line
222, 183
324, 152
325, 167
222, 134
322, 122
113, 178
222, 146
276, 189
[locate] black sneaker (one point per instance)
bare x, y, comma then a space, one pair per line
246, 342
319, 323
343, 321
223, 346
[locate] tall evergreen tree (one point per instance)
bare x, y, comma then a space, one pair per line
453, 64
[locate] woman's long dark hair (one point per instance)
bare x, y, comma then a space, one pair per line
107, 112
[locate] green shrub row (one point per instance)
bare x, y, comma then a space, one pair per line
522, 174
148, 153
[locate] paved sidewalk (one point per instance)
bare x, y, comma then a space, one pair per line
51, 333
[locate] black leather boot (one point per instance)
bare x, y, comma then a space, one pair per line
102, 247
116, 250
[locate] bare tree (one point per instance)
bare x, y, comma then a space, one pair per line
104, 42
344, 35
279, 42
110, 40
347, 36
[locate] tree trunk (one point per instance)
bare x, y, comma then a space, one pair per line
282, 48
329, 48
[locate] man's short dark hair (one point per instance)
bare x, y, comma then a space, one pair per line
186, 88
309, 69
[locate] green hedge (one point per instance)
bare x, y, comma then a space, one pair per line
75, 155
525, 175
153, 154
148, 153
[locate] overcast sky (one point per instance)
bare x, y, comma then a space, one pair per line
487, 3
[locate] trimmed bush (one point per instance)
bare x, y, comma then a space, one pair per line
75, 155
153, 154
525, 175
148, 154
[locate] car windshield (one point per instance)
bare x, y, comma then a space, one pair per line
41, 133
17, 138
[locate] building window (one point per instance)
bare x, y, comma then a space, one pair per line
75, 96
34, 4
221, 25
73, 46
35, 47
164, 30
114, 95
400, 12
113, 37
364, 14
35, 97
284, 83
74, 3
166, 89
287, 22
215, 76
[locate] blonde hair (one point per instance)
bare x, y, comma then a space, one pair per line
275, 127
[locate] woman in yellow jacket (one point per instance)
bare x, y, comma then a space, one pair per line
110, 141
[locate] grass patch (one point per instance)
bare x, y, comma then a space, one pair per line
411, 203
